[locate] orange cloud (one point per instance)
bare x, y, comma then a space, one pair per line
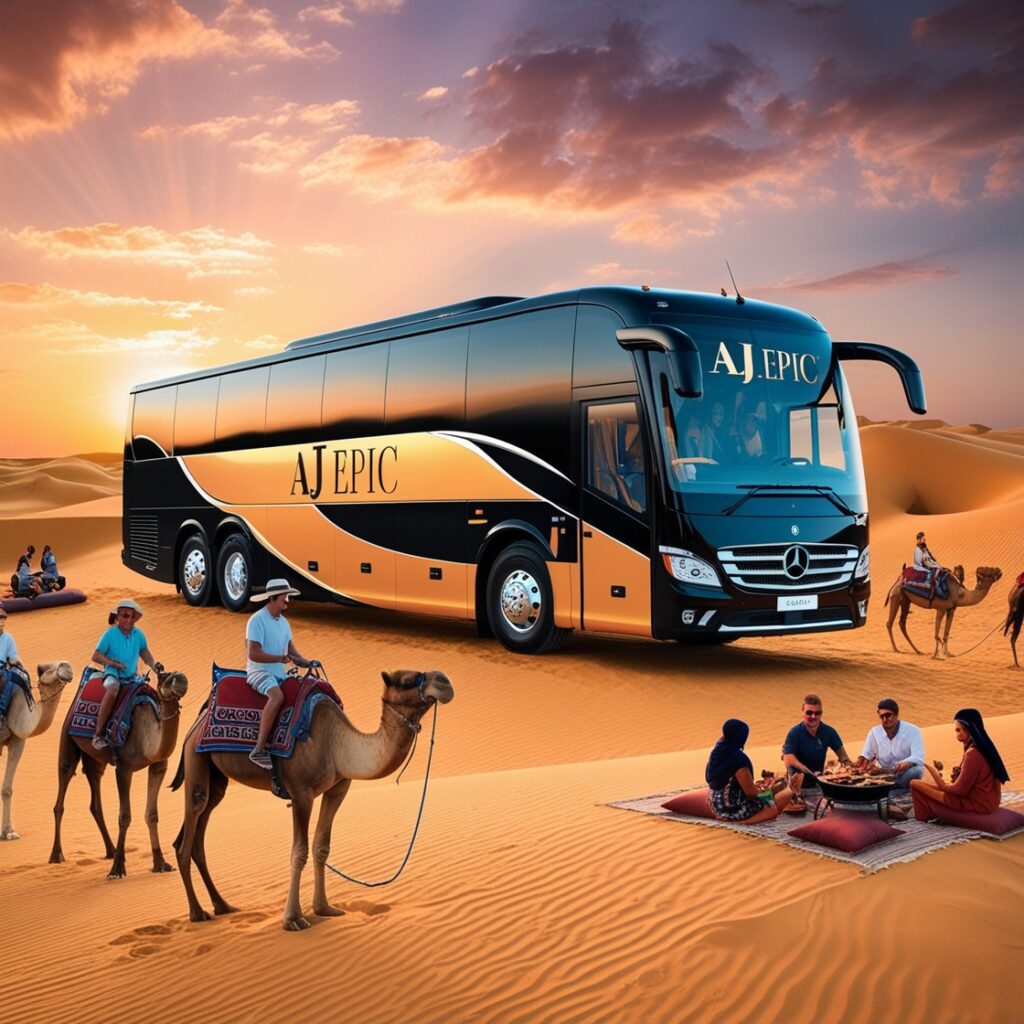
69, 338
881, 275
202, 252
44, 296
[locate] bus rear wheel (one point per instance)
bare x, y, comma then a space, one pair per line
234, 572
520, 602
195, 571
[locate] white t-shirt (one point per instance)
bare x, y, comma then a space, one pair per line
906, 745
8, 649
273, 636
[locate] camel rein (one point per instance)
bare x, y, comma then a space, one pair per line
999, 625
419, 813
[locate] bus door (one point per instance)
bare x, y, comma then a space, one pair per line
615, 516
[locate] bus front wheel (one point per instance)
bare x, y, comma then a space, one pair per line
520, 602
195, 571
234, 573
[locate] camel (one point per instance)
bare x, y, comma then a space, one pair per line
1014, 619
900, 600
325, 764
149, 744
24, 720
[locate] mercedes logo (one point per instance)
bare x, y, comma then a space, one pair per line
795, 561
795, 530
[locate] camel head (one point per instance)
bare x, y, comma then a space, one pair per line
171, 685
987, 575
55, 673
406, 688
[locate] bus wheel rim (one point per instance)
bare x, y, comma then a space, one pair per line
521, 601
195, 571
236, 578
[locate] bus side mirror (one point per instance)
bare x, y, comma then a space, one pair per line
907, 368
680, 350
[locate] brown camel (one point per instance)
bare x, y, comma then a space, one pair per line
325, 764
149, 745
900, 600
24, 720
1014, 619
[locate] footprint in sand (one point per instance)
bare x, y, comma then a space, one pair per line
248, 918
149, 932
84, 863
370, 909
143, 951
206, 947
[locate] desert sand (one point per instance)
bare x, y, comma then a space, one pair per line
526, 899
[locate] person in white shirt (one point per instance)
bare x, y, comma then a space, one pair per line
923, 558
896, 746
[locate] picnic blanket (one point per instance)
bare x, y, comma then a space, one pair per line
918, 837
234, 709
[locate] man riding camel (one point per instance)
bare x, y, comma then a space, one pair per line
923, 558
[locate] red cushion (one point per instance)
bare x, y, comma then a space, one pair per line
693, 802
846, 832
995, 824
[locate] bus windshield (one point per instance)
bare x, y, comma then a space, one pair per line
773, 413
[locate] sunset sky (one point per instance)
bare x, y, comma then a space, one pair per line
186, 184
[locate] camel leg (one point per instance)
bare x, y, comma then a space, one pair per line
218, 787
68, 756
198, 771
157, 771
93, 771
329, 804
945, 635
124, 819
904, 612
893, 611
15, 748
939, 616
1013, 646
302, 808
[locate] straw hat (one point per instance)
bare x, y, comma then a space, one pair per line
273, 589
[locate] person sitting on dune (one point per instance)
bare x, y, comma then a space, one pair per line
978, 787
50, 578
27, 583
807, 745
896, 746
730, 777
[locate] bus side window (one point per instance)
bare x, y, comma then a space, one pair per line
153, 423
616, 464
427, 382
242, 409
293, 401
353, 394
598, 358
194, 416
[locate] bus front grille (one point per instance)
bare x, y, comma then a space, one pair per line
789, 566
142, 538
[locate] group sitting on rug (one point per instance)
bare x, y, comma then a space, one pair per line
118, 653
26, 583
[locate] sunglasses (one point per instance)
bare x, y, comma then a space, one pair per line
812, 714
125, 615
885, 714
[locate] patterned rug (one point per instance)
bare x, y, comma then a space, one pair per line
11, 680
87, 706
917, 839
233, 715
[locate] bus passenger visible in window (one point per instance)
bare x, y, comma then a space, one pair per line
714, 439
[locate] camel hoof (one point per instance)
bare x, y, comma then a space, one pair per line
298, 924
117, 873
9, 833
56, 857
199, 915
327, 910
162, 869
225, 908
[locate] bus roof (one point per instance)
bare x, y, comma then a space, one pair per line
636, 305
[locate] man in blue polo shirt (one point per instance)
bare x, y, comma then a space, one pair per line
118, 653
808, 743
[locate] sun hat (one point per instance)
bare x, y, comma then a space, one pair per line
127, 602
273, 589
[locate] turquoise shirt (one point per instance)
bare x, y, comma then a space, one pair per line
126, 649
273, 636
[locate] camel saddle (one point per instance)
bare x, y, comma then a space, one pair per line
234, 710
12, 679
86, 707
927, 583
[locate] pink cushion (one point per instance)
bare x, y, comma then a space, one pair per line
995, 824
693, 802
846, 832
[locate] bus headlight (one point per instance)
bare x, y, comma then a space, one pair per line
863, 570
688, 568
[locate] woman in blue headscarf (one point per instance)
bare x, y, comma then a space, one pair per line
978, 788
733, 794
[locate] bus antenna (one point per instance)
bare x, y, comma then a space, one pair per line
739, 298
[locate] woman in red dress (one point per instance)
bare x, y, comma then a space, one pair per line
978, 789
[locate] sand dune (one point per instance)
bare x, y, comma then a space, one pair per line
526, 899
33, 485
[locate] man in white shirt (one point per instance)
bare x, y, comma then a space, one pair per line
923, 558
897, 746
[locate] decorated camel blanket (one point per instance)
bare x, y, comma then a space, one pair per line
234, 709
10, 681
87, 706
926, 583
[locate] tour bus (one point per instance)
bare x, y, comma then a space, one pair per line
625, 460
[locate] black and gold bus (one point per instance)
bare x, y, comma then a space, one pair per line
626, 460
